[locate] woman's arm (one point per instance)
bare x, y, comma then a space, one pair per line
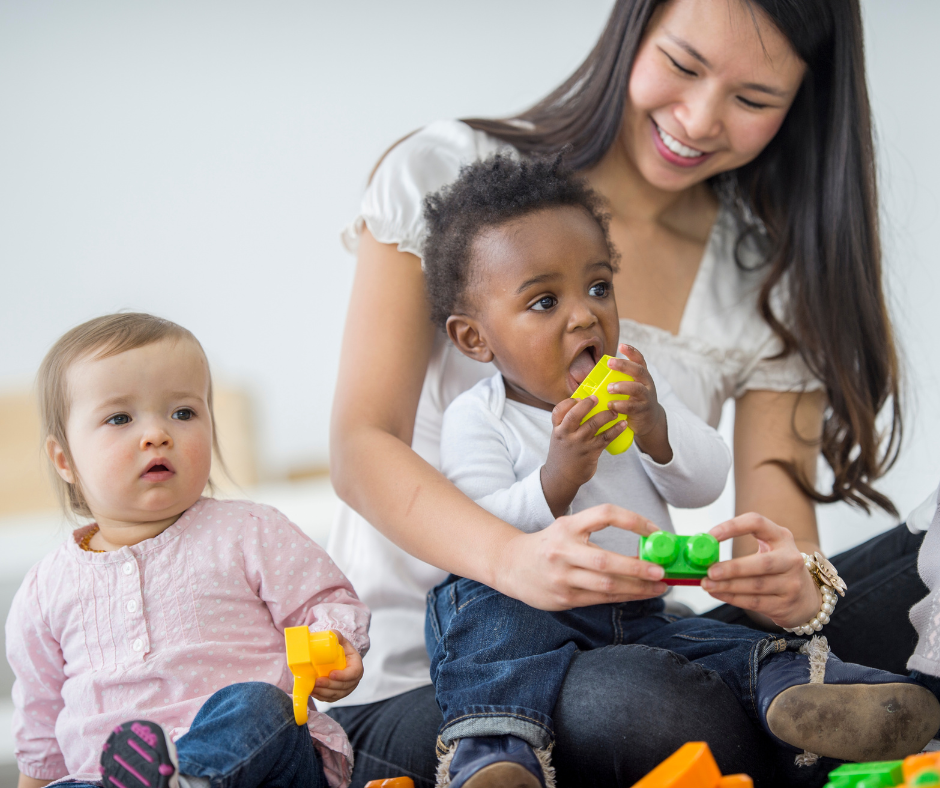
386, 348
770, 425
768, 577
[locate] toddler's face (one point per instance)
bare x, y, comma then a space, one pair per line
544, 302
140, 432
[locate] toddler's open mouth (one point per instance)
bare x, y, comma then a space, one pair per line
584, 362
158, 470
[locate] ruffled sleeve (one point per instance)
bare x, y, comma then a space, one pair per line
393, 204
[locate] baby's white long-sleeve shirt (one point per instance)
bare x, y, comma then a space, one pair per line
493, 449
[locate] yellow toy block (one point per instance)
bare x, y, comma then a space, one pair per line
394, 782
692, 766
596, 383
310, 654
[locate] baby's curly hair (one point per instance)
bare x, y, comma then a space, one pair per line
489, 193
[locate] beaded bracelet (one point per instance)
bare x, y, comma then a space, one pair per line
827, 579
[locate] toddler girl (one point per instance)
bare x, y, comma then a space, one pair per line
163, 620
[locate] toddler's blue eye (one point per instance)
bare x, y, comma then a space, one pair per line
544, 304
600, 289
183, 414
119, 419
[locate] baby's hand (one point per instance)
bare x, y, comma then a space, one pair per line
574, 450
340, 682
645, 415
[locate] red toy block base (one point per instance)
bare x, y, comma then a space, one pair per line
682, 581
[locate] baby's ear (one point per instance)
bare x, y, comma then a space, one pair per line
465, 332
59, 460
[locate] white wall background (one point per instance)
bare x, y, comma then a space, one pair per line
198, 160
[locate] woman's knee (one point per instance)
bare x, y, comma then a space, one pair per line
624, 709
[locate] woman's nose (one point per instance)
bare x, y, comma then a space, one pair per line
700, 114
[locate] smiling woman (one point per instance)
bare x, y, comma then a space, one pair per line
730, 143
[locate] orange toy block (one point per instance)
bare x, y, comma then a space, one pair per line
692, 766
394, 782
922, 769
309, 655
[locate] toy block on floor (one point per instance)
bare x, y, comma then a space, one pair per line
692, 766
877, 774
685, 558
596, 383
309, 655
394, 782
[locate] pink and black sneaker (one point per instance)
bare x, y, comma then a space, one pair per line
139, 754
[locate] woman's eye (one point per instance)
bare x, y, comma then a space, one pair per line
600, 289
183, 414
119, 419
544, 304
681, 68
751, 104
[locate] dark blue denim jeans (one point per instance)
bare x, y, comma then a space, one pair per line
245, 736
498, 665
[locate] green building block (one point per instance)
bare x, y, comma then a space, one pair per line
685, 558
877, 774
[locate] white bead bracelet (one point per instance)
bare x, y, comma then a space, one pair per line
828, 581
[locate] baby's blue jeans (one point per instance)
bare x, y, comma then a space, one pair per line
245, 736
498, 664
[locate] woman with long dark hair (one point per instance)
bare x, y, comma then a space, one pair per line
731, 143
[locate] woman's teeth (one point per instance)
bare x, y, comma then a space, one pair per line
677, 147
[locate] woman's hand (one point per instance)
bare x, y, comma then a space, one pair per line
773, 581
558, 568
340, 682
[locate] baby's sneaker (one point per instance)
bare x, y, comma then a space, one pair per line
494, 762
139, 754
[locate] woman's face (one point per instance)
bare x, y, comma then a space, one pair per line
711, 84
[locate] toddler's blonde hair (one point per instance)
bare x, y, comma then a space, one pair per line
101, 337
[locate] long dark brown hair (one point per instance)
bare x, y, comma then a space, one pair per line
813, 190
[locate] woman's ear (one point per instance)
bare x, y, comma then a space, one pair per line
466, 334
59, 460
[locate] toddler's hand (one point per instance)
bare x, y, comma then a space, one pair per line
574, 450
645, 415
340, 682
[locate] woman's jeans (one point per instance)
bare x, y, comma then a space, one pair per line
498, 665
245, 736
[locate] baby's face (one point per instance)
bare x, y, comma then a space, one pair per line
544, 300
140, 431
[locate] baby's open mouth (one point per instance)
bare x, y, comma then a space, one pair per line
583, 363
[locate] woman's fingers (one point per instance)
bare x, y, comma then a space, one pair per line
597, 517
754, 524
757, 565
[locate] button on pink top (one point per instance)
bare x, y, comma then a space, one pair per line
151, 631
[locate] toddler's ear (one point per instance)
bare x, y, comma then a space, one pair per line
466, 334
59, 461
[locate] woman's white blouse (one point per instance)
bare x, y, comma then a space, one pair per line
722, 350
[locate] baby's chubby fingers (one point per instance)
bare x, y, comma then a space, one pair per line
570, 412
340, 682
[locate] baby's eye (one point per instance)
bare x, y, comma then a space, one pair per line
119, 419
544, 304
600, 289
184, 414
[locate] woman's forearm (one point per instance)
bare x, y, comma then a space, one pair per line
416, 507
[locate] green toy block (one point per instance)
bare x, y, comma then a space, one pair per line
877, 774
685, 558
930, 777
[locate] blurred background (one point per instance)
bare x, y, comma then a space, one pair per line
198, 161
